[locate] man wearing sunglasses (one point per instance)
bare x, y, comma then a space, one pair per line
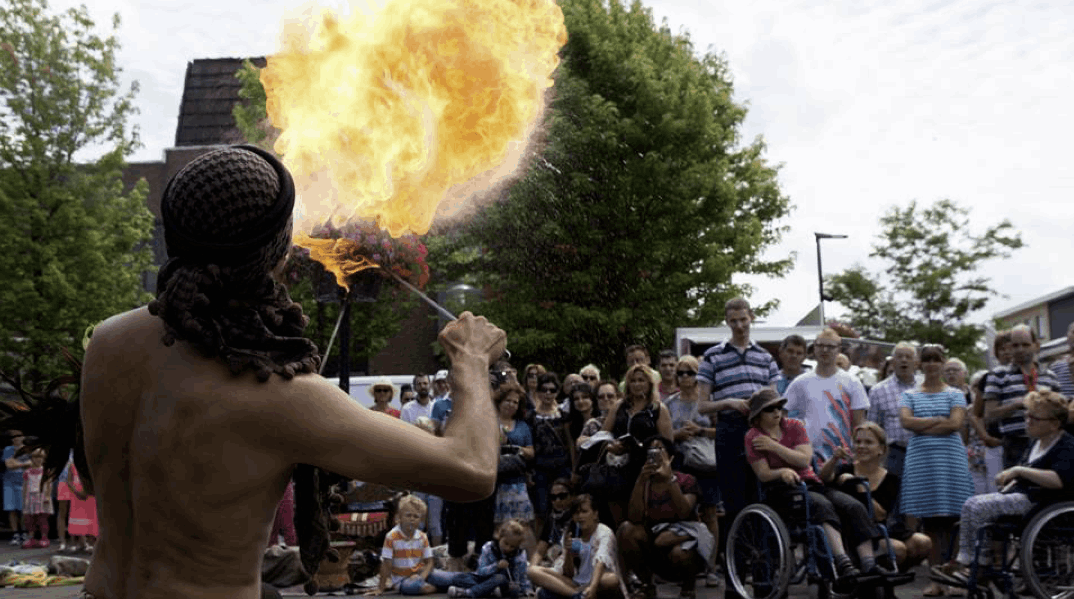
830, 401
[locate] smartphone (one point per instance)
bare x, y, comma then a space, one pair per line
654, 455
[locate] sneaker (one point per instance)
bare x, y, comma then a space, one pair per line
15, 540
454, 592
29, 544
62, 547
714, 580
44, 543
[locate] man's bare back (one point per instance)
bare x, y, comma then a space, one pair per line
188, 461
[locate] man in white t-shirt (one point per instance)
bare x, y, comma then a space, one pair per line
830, 401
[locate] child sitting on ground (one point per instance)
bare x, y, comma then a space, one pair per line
502, 566
587, 565
406, 560
36, 501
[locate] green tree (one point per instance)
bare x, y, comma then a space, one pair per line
73, 245
930, 285
641, 207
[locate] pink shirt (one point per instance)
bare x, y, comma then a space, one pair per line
793, 434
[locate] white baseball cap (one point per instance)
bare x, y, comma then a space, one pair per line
441, 375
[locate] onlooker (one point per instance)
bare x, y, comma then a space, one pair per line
406, 394
637, 355
500, 567
1008, 385
36, 501
936, 481
516, 440
867, 461
383, 391
283, 525
781, 454
13, 487
1045, 474
985, 461
63, 503
555, 524
441, 385
688, 423
442, 405
82, 522
529, 383
729, 373
590, 374
639, 416
587, 563
569, 382
884, 402
422, 404
551, 443
583, 408
587, 450
662, 534
842, 362
792, 353
1001, 350
973, 432
830, 401
407, 558
668, 384
1061, 367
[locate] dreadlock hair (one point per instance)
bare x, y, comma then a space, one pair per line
227, 227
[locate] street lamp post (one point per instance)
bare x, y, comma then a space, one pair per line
820, 272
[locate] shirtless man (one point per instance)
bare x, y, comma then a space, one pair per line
189, 459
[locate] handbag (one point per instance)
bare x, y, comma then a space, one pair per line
699, 455
604, 475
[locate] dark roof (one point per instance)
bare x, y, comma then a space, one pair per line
209, 93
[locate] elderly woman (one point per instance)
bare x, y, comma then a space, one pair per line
936, 475
870, 456
383, 391
1045, 474
780, 453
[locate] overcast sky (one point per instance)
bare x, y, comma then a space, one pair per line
865, 103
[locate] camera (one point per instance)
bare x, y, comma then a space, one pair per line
510, 449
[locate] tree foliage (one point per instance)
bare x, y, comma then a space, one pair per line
74, 245
639, 209
930, 285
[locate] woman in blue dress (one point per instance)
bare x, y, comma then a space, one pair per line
936, 479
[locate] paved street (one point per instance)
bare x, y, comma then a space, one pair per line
667, 591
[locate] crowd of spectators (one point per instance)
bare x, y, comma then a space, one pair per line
604, 482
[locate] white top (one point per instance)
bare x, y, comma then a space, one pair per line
825, 405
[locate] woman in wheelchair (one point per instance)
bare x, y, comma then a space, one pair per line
1045, 475
870, 455
779, 451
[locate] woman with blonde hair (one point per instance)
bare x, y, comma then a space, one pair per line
867, 461
382, 392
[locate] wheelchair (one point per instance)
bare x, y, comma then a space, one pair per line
765, 556
1040, 543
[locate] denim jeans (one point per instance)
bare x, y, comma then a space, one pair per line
438, 578
483, 587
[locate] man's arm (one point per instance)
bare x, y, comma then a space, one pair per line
316, 423
995, 410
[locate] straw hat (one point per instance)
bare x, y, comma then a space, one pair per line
383, 382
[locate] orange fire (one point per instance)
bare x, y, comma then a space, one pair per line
341, 257
394, 114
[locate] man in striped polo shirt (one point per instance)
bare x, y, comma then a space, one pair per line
1007, 387
730, 372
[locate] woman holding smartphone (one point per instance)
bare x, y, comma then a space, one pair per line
662, 533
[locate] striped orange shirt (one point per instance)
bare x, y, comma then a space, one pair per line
405, 554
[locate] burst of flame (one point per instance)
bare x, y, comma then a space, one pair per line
385, 115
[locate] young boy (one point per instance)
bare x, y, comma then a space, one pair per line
406, 560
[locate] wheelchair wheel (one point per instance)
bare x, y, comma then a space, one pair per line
1047, 552
759, 558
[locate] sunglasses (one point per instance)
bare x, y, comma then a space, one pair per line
556, 496
686, 372
589, 377
548, 389
770, 409
382, 390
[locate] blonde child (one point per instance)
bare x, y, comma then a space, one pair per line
502, 566
406, 560
36, 501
